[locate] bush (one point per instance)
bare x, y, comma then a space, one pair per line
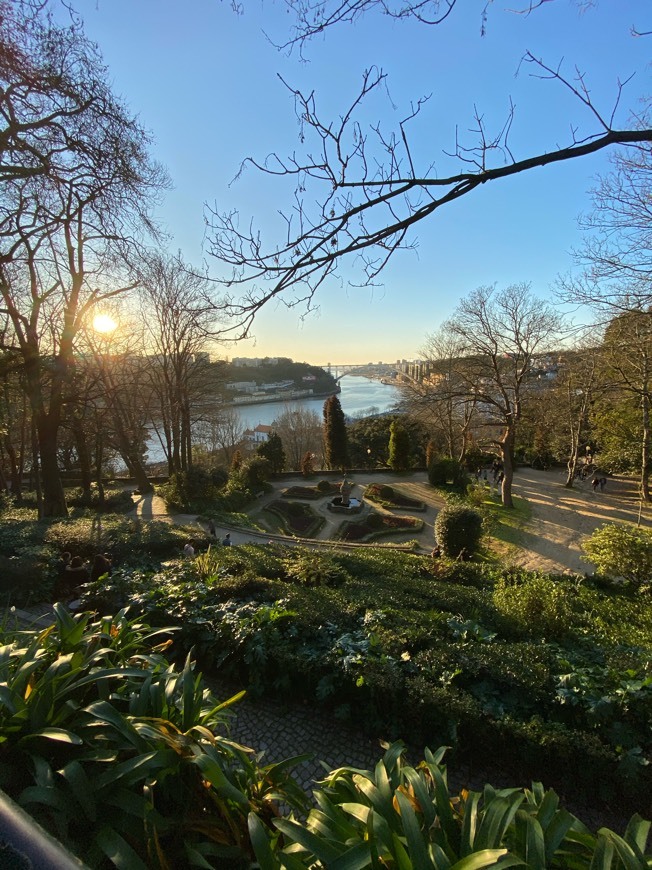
458, 531
448, 472
621, 551
195, 485
537, 603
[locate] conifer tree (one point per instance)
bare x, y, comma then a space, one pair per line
335, 437
399, 447
273, 451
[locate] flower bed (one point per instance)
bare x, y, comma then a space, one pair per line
388, 497
375, 525
298, 519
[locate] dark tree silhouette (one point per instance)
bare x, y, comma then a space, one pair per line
335, 438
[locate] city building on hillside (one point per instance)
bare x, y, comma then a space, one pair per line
243, 386
243, 361
258, 435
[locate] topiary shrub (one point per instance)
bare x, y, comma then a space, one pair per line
621, 551
458, 531
324, 486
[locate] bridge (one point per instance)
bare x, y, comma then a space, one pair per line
338, 370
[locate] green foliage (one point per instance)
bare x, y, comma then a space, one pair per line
120, 755
478, 663
313, 568
116, 499
121, 536
399, 447
539, 604
273, 451
369, 440
335, 436
445, 472
402, 816
621, 551
387, 496
251, 475
297, 518
186, 490
458, 530
375, 525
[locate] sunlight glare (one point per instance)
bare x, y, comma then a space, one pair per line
104, 323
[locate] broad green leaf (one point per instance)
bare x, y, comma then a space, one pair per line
637, 833
59, 734
556, 831
82, 789
356, 858
321, 849
212, 771
416, 844
422, 795
498, 815
444, 810
260, 841
358, 811
535, 853
625, 852
118, 850
51, 797
603, 854
547, 807
486, 858
470, 823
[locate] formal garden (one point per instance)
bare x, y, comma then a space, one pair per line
113, 741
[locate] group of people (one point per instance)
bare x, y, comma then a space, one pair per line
73, 572
189, 549
598, 482
496, 471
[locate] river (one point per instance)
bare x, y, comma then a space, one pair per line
360, 397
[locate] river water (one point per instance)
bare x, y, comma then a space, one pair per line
360, 397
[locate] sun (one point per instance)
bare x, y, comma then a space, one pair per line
104, 323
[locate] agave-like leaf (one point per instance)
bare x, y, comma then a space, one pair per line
637, 833
117, 850
58, 734
415, 841
324, 851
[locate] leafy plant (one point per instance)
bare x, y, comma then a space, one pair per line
458, 530
120, 755
621, 551
540, 605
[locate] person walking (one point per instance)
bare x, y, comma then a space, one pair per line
226, 540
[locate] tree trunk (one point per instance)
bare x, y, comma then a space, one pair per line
645, 448
84, 455
507, 456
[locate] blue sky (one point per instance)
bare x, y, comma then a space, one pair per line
204, 81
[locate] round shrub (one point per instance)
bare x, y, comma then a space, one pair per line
621, 551
324, 486
447, 472
458, 530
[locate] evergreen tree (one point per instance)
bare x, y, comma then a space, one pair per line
273, 451
335, 437
399, 447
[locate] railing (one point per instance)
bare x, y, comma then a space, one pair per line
24, 845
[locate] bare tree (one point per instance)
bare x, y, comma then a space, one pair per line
359, 192
500, 334
180, 318
616, 258
301, 431
220, 431
627, 369
74, 192
436, 398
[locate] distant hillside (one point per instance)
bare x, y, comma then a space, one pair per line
302, 376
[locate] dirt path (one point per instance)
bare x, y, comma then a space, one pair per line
562, 518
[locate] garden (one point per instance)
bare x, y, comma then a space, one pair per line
541, 678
